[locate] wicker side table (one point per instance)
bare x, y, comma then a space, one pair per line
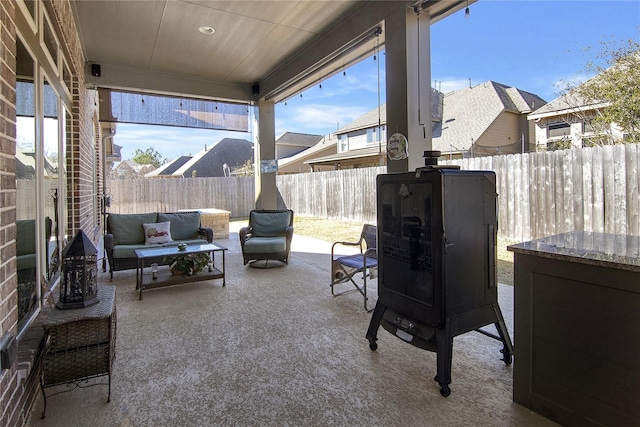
80, 343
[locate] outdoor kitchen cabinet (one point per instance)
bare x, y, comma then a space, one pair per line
80, 343
577, 328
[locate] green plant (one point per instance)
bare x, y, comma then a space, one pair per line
188, 264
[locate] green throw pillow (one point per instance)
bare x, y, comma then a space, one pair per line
127, 228
184, 226
270, 224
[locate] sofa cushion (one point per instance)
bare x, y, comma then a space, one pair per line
261, 245
157, 232
127, 228
270, 224
184, 226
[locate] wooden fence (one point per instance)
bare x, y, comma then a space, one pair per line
233, 194
590, 189
539, 194
348, 194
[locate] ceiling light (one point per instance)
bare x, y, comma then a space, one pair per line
205, 29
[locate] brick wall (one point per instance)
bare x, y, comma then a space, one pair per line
19, 385
84, 148
10, 415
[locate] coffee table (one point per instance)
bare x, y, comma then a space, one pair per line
145, 280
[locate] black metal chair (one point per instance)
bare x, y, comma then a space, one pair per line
344, 268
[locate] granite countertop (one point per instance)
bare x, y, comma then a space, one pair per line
601, 249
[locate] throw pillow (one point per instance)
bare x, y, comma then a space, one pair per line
157, 232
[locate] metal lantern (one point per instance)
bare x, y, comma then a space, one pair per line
79, 282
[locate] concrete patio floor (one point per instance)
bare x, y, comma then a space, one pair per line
275, 348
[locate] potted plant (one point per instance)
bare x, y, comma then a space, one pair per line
188, 264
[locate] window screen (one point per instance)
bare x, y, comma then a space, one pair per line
128, 107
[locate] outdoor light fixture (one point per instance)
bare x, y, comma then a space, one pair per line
466, 11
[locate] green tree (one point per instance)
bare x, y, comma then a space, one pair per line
148, 157
613, 94
246, 169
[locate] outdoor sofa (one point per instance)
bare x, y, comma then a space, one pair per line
128, 232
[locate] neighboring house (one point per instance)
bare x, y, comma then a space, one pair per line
218, 160
487, 119
361, 143
565, 122
26, 166
128, 169
299, 163
291, 143
288, 145
166, 170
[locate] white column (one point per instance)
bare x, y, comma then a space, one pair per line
265, 149
408, 85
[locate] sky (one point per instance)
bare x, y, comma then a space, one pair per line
534, 45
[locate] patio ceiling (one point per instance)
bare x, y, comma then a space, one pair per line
156, 46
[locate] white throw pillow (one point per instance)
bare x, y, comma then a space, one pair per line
157, 232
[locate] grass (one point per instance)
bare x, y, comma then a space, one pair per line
332, 230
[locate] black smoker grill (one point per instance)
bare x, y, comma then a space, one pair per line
436, 260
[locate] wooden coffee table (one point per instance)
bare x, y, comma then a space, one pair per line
145, 280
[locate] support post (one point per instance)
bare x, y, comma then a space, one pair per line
408, 85
264, 150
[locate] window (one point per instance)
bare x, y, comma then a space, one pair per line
344, 143
128, 107
41, 130
67, 78
587, 127
26, 175
28, 9
371, 136
50, 42
558, 130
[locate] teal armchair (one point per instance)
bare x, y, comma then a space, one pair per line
268, 236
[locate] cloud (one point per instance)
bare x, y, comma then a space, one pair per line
340, 85
322, 118
450, 84
561, 83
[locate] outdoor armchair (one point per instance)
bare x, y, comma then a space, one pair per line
268, 236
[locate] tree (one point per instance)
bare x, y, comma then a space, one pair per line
613, 94
148, 157
246, 169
